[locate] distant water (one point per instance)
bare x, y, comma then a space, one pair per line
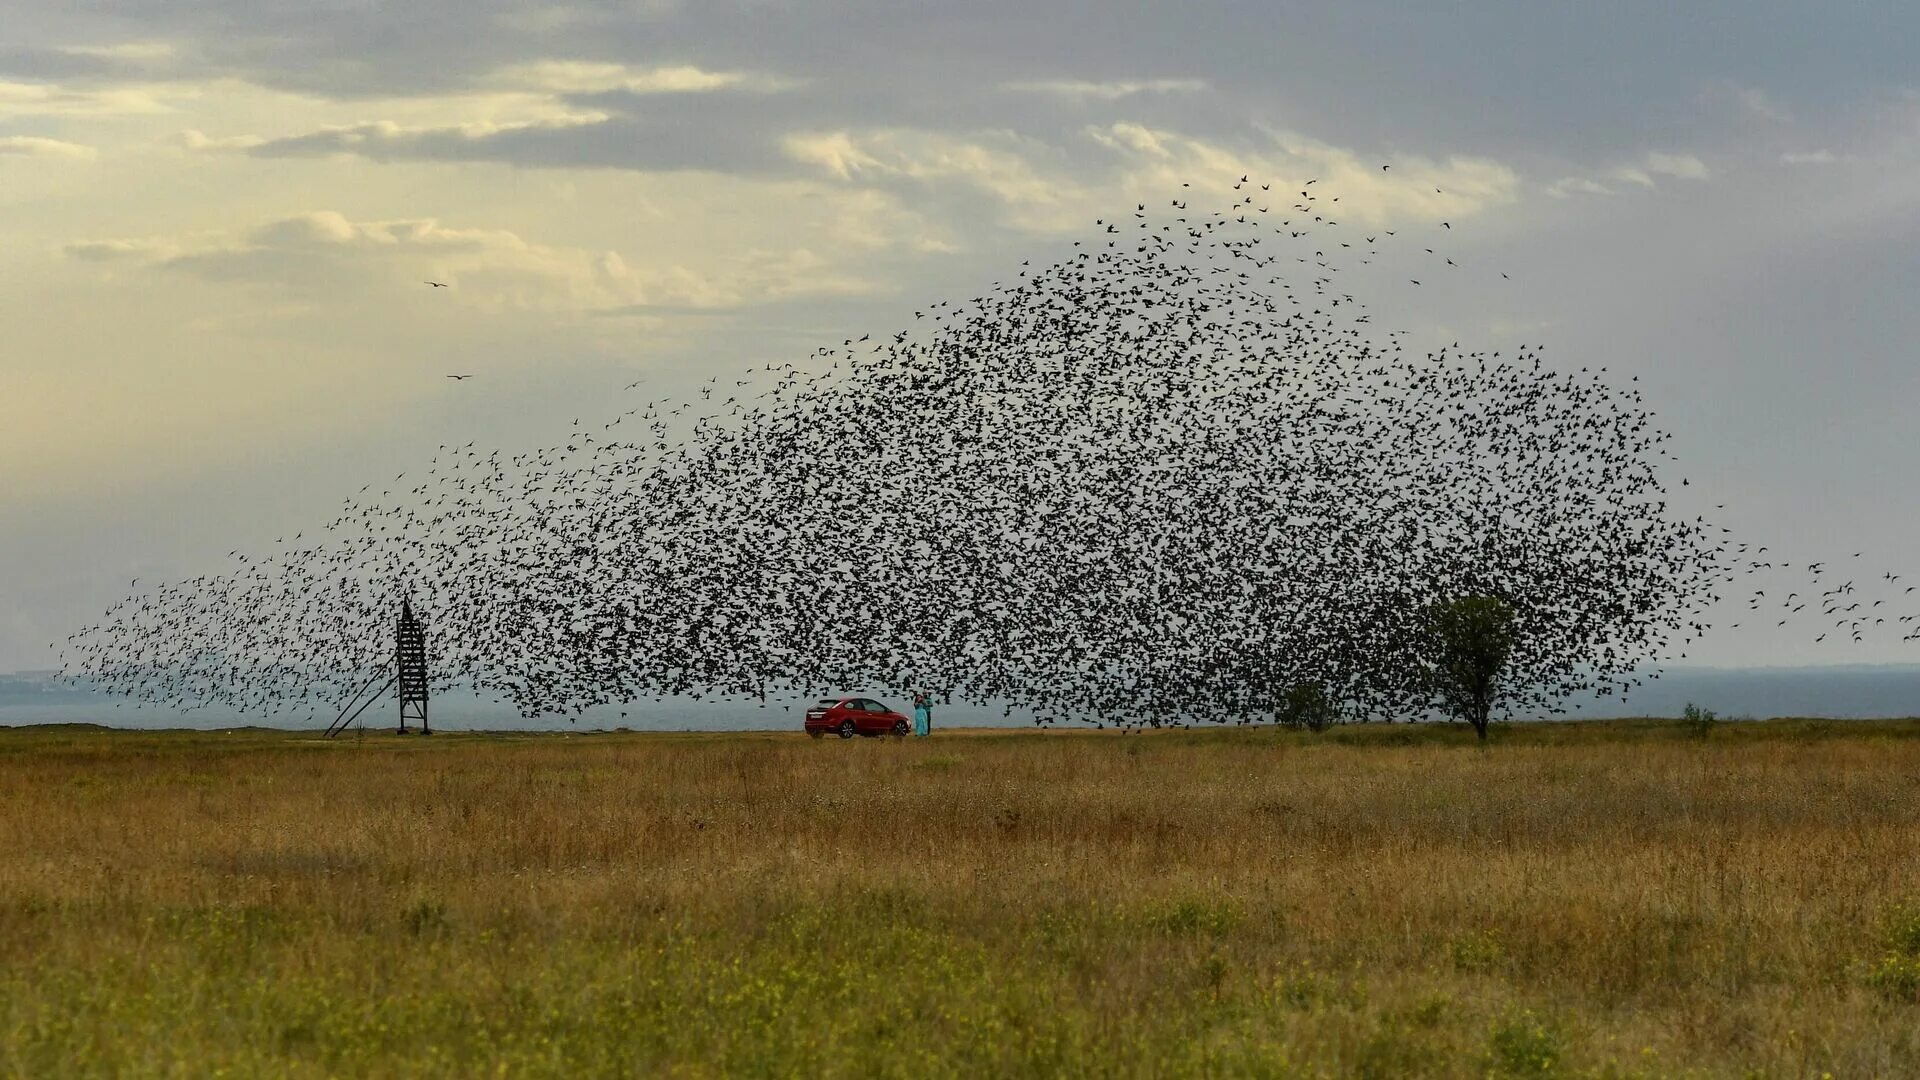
1760, 693
1841, 692
33, 701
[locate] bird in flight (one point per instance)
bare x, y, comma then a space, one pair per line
459, 376
436, 284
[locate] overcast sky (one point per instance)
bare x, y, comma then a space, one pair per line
216, 218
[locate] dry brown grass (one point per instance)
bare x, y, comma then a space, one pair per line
1604, 899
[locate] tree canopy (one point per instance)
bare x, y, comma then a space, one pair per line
1469, 643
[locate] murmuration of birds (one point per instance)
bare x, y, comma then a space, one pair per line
1181, 464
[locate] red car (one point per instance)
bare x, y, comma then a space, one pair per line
850, 716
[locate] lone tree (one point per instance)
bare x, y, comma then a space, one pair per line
1307, 705
1469, 640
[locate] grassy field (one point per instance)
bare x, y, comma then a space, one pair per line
1602, 899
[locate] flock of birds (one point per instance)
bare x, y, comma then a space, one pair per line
1166, 477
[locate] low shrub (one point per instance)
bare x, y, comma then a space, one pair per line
1309, 991
1307, 705
1194, 917
1896, 975
1699, 722
1477, 953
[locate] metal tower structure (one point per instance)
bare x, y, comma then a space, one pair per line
407, 673
410, 664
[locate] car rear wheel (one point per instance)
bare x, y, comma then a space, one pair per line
900, 729
847, 730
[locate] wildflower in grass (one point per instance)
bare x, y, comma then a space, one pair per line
1525, 1044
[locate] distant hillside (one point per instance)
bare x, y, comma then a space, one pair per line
23, 688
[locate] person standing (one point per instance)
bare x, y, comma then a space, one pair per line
922, 713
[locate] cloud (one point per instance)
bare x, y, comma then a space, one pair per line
542, 114
326, 253
998, 164
138, 51
585, 77
540, 19
993, 161
665, 141
1815, 157
35, 146
110, 250
1113, 90
1757, 102
1684, 166
1413, 188
130, 59
383, 140
1510, 328
1571, 185
49, 99
1044, 187
1644, 173
193, 139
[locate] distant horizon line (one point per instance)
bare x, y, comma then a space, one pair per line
1913, 665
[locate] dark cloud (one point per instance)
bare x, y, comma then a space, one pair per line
1494, 74
740, 128
51, 64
